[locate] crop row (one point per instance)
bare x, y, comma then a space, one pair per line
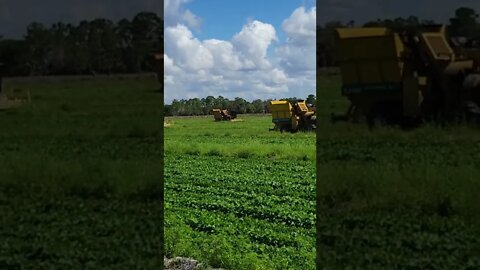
240, 197
69, 147
396, 239
253, 196
453, 153
212, 222
266, 211
269, 202
53, 231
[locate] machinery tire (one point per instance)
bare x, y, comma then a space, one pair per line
471, 81
384, 113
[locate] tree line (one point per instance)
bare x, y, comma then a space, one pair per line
204, 106
464, 23
89, 47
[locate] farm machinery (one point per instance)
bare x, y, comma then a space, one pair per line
292, 116
406, 77
223, 115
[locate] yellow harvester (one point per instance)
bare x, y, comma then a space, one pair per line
223, 115
405, 77
293, 116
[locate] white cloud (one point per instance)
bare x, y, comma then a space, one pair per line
176, 14
171, 71
241, 67
299, 53
253, 41
188, 52
223, 54
301, 25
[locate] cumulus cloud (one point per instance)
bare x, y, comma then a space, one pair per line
301, 26
253, 41
225, 57
298, 55
175, 13
242, 66
188, 52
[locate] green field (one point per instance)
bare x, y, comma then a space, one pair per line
79, 175
393, 199
79, 185
238, 196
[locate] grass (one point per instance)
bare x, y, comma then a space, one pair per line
390, 198
81, 165
243, 139
81, 168
239, 196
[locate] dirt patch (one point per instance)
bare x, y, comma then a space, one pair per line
180, 263
6, 103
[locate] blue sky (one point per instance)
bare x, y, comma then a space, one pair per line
250, 49
222, 19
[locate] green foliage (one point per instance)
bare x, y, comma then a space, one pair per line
238, 196
204, 106
90, 47
247, 138
390, 199
465, 23
75, 188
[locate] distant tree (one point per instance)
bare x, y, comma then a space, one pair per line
376, 23
123, 31
96, 46
240, 105
398, 24
221, 102
167, 110
326, 43
176, 108
78, 54
58, 33
258, 106
464, 23
14, 57
39, 48
196, 106
209, 104
102, 47
311, 99
428, 22
145, 29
